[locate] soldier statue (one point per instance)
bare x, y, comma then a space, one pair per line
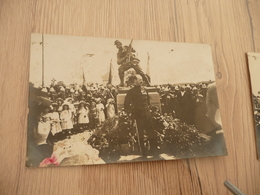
127, 59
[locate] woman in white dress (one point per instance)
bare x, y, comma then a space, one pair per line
83, 116
100, 111
110, 108
55, 121
66, 119
71, 108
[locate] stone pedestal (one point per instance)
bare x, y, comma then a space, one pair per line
154, 97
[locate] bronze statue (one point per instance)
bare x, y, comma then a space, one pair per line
126, 59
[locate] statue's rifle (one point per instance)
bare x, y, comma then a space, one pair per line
129, 51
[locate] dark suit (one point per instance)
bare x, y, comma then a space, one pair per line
168, 103
185, 110
137, 102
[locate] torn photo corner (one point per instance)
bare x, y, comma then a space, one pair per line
109, 100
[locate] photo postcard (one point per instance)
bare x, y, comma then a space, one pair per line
110, 100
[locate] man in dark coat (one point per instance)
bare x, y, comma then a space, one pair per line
185, 106
137, 103
127, 60
167, 102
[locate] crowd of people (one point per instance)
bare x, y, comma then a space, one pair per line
73, 109
86, 107
188, 103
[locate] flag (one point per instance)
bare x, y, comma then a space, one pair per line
148, 68
110, 76
84, 79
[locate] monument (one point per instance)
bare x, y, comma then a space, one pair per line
129, 65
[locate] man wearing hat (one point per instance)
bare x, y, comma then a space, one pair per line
123, 56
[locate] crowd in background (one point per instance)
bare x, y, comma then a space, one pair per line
73, 109
77, 108
186, 102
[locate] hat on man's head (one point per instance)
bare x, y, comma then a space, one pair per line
76, 103
68, 99
82, 102
54, 104
59, 99
98, 99
44, 89
62, 88
188, 87
116, 42
52, 89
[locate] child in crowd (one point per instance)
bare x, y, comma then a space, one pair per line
83, 116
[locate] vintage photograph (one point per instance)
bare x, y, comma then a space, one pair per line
254, 69
110, 100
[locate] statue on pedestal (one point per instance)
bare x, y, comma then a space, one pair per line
127, 59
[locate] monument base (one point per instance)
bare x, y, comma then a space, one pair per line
152, 92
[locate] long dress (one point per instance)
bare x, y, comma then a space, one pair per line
72, 109
65, 117
83, 117
55, 123
100, 112
110, 110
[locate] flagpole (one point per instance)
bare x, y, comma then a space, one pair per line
148, 66
42, 61
110, 76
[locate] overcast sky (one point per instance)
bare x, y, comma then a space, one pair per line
66, 58
254, 68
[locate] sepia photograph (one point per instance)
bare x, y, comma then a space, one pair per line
99, 100
254, 69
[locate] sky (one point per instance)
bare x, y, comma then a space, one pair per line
254, 68
67, 58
